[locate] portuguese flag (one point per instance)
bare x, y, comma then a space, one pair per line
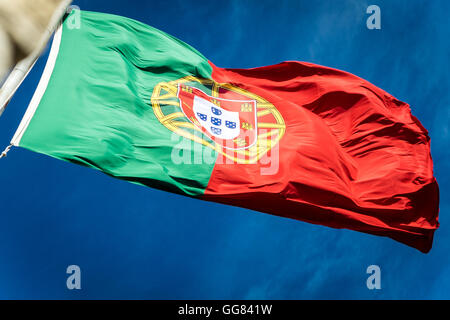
295, 139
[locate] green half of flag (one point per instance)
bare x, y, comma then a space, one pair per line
93, 104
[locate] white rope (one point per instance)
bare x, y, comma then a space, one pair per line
5, 152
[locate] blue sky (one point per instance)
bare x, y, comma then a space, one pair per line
135, 242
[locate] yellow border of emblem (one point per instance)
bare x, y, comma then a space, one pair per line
165, 94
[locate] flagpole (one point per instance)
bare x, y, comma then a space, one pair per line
23, 67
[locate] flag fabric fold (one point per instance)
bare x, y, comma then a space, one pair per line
295, 139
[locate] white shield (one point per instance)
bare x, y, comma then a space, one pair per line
217, 121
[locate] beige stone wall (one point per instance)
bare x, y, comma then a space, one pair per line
6, 54
22, 22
